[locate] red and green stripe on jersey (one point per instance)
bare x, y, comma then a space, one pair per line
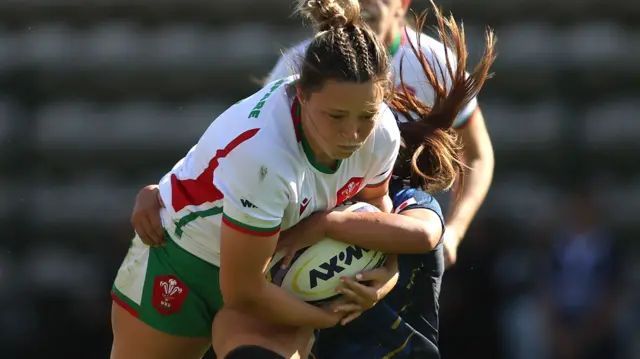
201, 190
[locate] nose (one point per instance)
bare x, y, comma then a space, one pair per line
350, 131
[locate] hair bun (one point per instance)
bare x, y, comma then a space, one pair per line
328, 14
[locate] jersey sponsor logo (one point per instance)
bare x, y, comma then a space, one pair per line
349, 190
168, 294
255, 112
247, 203
303, 205
335, 265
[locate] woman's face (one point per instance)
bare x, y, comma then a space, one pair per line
383, 16
339, 118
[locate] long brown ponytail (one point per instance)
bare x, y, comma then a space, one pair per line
431, 153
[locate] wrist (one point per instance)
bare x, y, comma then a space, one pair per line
391, 262
455, 232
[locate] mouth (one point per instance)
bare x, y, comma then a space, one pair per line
349, 148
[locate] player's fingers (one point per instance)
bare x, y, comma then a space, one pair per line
282, 243
144, 230
360, 289
352, 296
149, 229
160, 201
347, 308
350, 317
286, 260
372, 275
158, 230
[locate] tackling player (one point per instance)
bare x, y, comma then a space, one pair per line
387, 19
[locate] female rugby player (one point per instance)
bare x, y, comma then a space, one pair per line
297, 146
417, 230
387, 18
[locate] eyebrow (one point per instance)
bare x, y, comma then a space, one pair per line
366, 110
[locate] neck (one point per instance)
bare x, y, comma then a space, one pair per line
390, 36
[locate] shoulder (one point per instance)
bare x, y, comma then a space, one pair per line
258, 109
289, 62
433, 51
412, 198
297, 50
387, 126
257, 134
292, 56
247, 165
432, 48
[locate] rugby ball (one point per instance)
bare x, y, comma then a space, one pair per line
315, 271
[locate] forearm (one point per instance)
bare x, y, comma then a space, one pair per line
272, 304
384, 232
384, 203
469, 198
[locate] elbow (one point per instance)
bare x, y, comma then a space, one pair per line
237, 294
236, 298
425, 241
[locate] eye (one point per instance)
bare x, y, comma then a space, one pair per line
336, 117
368, 117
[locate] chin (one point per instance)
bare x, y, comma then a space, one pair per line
342, 155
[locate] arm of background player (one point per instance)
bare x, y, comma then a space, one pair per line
478, 155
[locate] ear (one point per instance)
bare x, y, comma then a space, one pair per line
299, 93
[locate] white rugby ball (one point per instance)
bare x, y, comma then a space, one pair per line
315, 271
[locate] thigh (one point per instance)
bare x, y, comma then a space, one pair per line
168, 289
133, 339
232, 329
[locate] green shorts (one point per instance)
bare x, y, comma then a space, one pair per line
168, 288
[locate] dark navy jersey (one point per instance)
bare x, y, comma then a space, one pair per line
405, 323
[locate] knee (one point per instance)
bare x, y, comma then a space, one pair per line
235, 332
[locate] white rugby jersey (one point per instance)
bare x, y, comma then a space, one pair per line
401, 53
254, 170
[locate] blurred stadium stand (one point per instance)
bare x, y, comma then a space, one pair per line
98, 98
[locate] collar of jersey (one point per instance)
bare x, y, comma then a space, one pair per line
296, 111
393, 48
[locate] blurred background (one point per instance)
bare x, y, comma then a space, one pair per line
99, 98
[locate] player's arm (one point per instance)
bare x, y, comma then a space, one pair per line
253, 209
478, 155
145, 217
417, 228
243, 260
